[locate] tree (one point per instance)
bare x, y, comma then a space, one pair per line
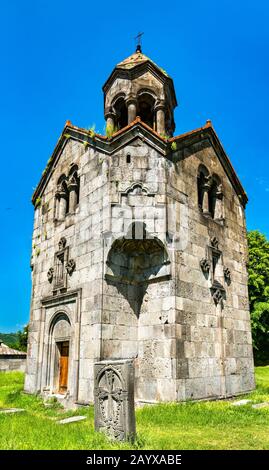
258, 285
22, 339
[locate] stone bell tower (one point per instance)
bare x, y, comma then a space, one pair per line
138, 87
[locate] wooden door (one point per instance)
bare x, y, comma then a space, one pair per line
63, 366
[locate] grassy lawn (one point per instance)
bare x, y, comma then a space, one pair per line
201, 425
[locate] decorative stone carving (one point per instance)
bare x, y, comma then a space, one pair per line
61, 190
50, 274
218, 292
70, 266
114, 399
205, 265
227, 274
215, 243
217, 296
73, 182
219, 192
62, 243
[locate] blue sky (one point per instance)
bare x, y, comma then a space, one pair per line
55, 57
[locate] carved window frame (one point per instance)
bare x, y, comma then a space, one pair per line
62, 257
214, 254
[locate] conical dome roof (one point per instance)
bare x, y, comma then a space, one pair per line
136, 59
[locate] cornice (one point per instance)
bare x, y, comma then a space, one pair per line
138, 129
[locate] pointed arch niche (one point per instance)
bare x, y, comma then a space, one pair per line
137, 258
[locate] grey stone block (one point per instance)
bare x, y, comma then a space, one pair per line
114, 399
73, 419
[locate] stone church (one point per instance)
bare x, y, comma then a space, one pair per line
139, 252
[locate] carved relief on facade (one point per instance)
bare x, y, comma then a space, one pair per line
205, 265
50, 274
63, 266
70, 266
114, 399
227, 275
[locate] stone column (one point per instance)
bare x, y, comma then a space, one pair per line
73, 195
62, 208
131, 104
218, 204
205, 202
56, 208
111, 120
160, 118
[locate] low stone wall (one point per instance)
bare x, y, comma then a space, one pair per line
13, 363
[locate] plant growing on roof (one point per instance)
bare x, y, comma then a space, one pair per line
37, 252
38, 202
165, 136
110, 130
91, 132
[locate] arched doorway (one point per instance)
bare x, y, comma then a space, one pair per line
59, 352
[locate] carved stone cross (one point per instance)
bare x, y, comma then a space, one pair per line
114, 399
109, 392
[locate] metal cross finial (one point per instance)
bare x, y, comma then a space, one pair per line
138, 40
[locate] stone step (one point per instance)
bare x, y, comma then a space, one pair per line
72, 419
12, 410
241, 402
257, 406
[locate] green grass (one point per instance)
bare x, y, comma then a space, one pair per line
200, 425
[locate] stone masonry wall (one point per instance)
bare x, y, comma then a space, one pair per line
215, 349
9, 364
185, 346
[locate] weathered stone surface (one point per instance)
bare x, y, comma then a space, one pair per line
149, 261
72, 419
114, 399
241, 402
257, 406
11, 410
11, 359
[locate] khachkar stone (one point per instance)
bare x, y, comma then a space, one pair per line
114, 411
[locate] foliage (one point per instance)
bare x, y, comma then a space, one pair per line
91, 131
38, 202
174, 146
165, 136
16, 340
110, 130
258, 285
10, 339
22, 338
200, 425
